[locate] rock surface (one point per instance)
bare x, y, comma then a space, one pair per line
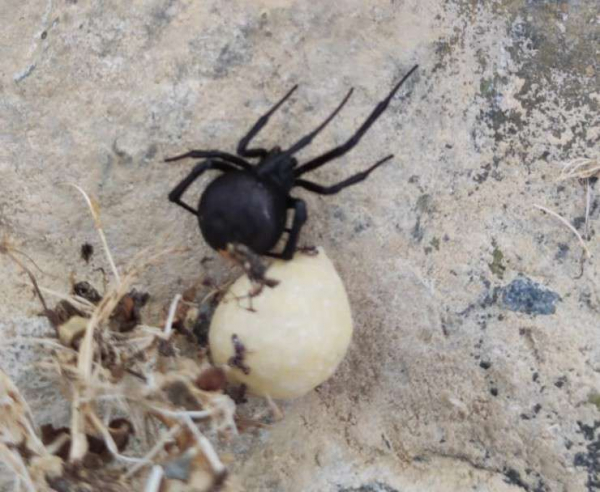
444, 388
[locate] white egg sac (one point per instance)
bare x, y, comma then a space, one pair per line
297, 334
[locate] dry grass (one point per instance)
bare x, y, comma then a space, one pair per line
580, 168
138, 374
569, 226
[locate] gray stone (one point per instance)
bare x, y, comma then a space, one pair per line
526, 296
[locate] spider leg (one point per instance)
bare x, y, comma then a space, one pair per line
272, 164
179, 190
211, 154
348, 145
331, 190
261, 122
300, 217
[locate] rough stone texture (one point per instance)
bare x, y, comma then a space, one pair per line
525, 296
443, 388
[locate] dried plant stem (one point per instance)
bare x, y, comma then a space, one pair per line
76, 301
109, 441
84, 366
6, 250
15, 250
157, 448
38, 341
55, 446
209, 452
17, 429
588, 206
199, 414
98, 225
171, 317
16, 400
581, 167
15, 462
565, 222
155, 479
81, 404
79, 443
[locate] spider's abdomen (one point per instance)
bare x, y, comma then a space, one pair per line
239, 208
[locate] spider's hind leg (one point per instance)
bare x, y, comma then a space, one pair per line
354, 139
300, 216
180, 189
331, 190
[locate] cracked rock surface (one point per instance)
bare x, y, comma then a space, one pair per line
446, 387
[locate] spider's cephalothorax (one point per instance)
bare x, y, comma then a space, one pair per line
248, 204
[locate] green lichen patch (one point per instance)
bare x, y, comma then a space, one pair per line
497, 265
594, 399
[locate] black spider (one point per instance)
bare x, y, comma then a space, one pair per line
248, 204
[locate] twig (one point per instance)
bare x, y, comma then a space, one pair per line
565, 222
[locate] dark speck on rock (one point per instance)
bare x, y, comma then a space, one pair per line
523, 295
361, 226
417, 231
560, 382
339, 214
578, 222
563, 249
370, 487
590, 458
151, 152
424, 203
513, 477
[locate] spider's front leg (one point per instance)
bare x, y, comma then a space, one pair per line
180, 189
242, 148
212, 154
300, 217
